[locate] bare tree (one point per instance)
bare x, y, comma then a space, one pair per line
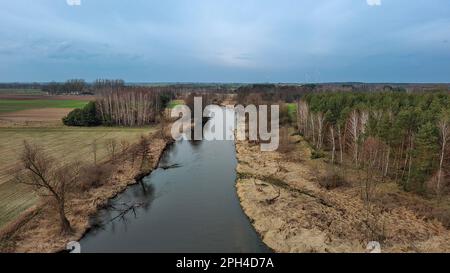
48, 178
143, 150
370, 155
111, 146
341, 148
444, 130
320, 122
130, 106
124, 146
94, 150
333, 143
302, 117
354, 133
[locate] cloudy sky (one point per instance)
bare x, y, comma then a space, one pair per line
225, 40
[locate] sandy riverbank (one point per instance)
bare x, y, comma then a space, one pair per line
37, 230
292, 213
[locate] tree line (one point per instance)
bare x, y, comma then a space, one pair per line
397, 135
80, 86
122, 106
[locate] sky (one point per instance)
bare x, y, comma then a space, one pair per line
225, 40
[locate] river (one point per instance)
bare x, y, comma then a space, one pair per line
190, 207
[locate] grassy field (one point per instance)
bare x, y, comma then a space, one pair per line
174, 103
292, 109
67, 144
13, 105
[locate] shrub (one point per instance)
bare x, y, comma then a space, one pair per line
315, 154
95, 176
332, 180
83, 117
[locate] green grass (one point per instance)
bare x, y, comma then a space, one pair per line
292, 110
67, 144
174, 103
13, 105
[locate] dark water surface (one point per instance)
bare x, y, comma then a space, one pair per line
190, 208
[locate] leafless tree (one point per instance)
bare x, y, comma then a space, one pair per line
444, 130
131, 106
143, 150
94, 151
353, 132
320, 122
341, 147
111, 146
124, 146
333, 143
48, 178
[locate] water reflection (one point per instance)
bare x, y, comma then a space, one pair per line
125, 207
192, 207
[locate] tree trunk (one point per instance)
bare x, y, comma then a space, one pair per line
443, 127
340, 144
441, 162
320, 121
386, 168
333, 143
313, 129
65, 224
411, 147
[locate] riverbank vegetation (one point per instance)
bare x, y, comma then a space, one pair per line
41, 228
89, 146
352, 166
293, 204
55, 177
400, 136
355, 163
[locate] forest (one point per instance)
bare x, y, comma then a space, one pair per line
394, 135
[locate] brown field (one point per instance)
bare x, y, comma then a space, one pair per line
37, 110
45, 97
37, 118
34, 117
65, 143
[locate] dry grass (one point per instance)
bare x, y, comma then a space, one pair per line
68, 144
305, 216
36, 231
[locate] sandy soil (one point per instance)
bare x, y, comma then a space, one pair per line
36, 231
292, 213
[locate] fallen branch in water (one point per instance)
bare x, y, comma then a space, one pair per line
126, 208
176, 165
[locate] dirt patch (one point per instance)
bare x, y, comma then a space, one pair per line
38, 231
25, 117
293, 213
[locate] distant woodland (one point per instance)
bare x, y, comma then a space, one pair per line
394, 134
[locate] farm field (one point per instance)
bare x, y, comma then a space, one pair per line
33, 110
13, 105
174, 103
68, 144
27, 91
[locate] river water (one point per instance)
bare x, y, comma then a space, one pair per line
190, 207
